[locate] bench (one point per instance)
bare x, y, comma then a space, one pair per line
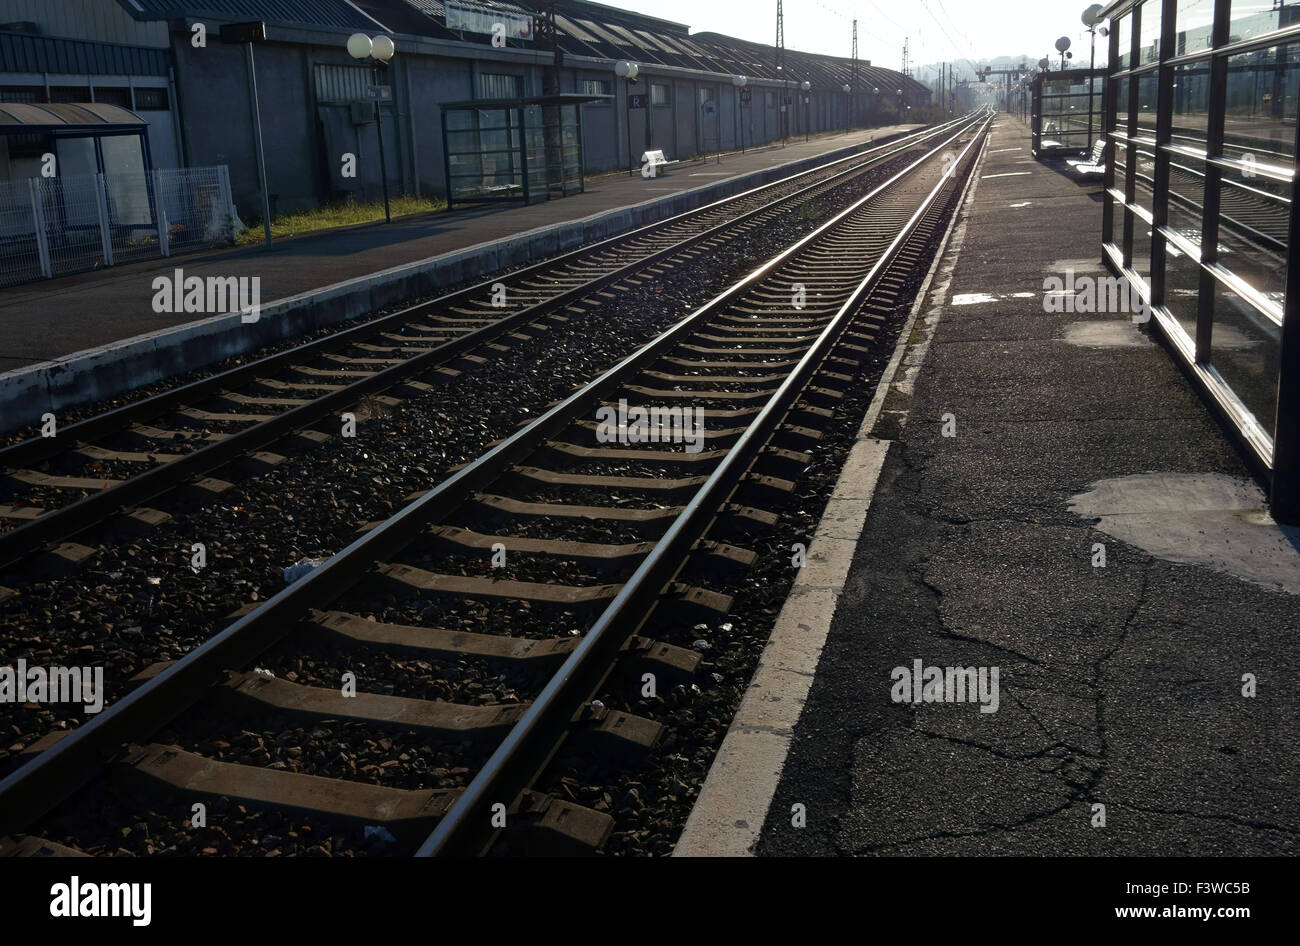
654, 160
1093, 164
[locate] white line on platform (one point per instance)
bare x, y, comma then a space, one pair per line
733, 804
1005, 150
989, 177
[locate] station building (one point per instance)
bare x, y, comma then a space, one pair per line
146, 55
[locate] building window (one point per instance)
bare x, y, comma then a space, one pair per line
660, 94
496, 86
597, 87
151, 100
341, 83
22, 94
69, 93
113, 95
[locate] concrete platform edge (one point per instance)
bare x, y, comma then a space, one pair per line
733, 804
87, 376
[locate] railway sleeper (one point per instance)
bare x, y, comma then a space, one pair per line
31, 846
640, 654
410, 814
557, 453
611, 731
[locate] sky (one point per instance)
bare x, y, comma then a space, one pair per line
938, 30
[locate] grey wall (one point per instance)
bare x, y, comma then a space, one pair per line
305, 139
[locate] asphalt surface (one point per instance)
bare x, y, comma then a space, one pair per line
1119, 685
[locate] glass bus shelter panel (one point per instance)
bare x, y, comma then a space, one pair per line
483, 156
1246, 351
1191, 116
538, 158
1259, 123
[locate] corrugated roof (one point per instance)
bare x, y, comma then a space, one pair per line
24, 52
22, 119
336, 13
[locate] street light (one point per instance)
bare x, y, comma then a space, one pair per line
805, 85
785, 104
1091, 17
740, 82
629, 71
380, 52
848, 105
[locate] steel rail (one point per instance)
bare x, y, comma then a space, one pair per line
467, 828
36, 449
66, 521
46, 780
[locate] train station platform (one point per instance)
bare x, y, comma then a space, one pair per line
1038, 496
51, 320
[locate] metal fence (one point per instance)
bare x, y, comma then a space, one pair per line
55, 226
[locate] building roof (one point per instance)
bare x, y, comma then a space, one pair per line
26, 52
592, 30
341, 14
16, 119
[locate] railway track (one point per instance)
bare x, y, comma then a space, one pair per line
53, 489
574, 520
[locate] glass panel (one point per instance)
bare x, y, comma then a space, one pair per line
1191, 105
1186, 196
1121, 167
1182, 288
1124, 26
1141, 262
1195, 25
1148, 92
1149, 46
1261, 113
77, 156
1121, 104
1245, 349
1252, 18
1144, 179
1064, 110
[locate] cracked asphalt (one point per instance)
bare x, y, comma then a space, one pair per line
1120, 685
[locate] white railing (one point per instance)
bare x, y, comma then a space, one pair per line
54, 226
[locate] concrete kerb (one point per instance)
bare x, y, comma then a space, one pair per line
729, 814
91, 375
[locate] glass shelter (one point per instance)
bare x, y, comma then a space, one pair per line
1198, 212
1066, 117
527, 149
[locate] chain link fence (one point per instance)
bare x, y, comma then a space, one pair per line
55, 226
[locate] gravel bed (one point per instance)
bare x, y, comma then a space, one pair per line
140, 602
651, 804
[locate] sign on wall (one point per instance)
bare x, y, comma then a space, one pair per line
471, 18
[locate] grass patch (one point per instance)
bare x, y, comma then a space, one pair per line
330, 216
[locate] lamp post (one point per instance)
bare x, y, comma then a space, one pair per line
379, 51
1091, 17
804, 86
629, 71
785, 104
740, 82
900, 105
848, 105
